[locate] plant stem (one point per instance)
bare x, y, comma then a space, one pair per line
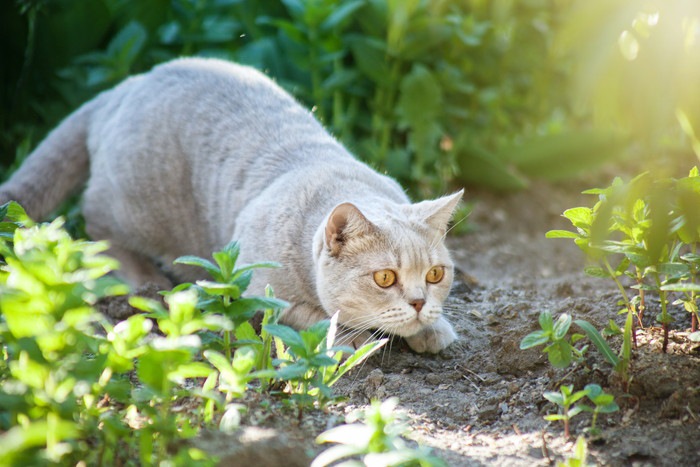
625, 297
664, 319
227, 344
642, 306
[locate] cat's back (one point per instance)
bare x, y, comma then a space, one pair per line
217, 112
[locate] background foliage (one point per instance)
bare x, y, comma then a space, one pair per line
434, 92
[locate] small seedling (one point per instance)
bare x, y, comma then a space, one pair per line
602, 403
565, 400
580, 456
558, 347
374, 436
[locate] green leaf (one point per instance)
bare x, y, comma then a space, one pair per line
559, 354
681, 287
580, 217
420, 100
664, 319
205, 264
555, 417
289, 336
292, 372
128, 43
546, 322
20, 439
672, 269
574, 411
554, 397
598, 340
561, 234
359, 356
219, 361
561, 327
534, 339
246, 332
595, 271
370, 56
341, 14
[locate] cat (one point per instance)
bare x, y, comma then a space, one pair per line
197, 152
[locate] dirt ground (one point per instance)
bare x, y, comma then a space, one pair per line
479, 402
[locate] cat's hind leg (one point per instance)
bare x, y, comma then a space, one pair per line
137, 269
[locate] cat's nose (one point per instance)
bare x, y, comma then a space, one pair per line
417, 304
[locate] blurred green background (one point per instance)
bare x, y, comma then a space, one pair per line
494, 93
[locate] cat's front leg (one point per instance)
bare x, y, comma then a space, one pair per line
302, 315
433, 338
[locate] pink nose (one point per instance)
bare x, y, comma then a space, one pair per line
417, 304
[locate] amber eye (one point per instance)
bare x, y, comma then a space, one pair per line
385, 278
435, 274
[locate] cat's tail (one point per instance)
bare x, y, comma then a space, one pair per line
56, 168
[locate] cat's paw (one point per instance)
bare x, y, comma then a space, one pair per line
434, 338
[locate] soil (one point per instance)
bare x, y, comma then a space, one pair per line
479, 402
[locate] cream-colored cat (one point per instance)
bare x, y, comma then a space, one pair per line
198, 152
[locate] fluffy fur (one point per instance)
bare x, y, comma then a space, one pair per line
198, 152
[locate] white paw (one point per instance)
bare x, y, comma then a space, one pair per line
434, 338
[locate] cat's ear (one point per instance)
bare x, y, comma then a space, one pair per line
345, 222
438, 212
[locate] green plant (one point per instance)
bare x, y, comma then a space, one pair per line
580, 456
310, 363
163, 367
376, 440
561, 350
46, 291
558, 346
647, 230
223, 296
603, 403
565, 400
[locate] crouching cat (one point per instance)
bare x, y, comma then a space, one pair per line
197, 152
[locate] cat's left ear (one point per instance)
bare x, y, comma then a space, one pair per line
438, 212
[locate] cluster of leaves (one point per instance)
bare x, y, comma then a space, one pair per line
64, 387
646, 231
374, 435
74, 387
643, 235
430, 91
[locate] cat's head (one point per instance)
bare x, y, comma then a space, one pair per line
385, 268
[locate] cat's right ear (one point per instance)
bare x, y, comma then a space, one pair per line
345, 222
